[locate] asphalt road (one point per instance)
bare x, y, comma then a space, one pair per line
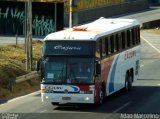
141, 102
144, 16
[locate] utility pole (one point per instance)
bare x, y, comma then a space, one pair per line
25, 26
29, 38
71, 13
55, 15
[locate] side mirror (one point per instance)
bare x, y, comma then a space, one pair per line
98, 68
40, 68
38, 63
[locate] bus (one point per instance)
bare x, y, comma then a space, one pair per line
86, 63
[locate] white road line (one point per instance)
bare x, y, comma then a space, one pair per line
120, 108
159, 84
142, 66
43, 111
150, 44
18, 98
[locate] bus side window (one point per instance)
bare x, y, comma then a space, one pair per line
126, 41
128, 38
112, 43
107, 46
133, 36
130, 31
118, 42
123, 40
138, 30
98, 48
115, 44
103, 47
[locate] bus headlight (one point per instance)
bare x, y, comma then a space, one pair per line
87, 98
46, 97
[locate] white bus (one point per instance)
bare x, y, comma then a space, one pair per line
84, 64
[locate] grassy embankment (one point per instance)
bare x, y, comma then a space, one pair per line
154, 31
12, 64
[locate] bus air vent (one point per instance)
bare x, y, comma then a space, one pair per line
79, 28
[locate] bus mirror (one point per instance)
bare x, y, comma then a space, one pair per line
98, 68
42, 72
38, 65
40, 68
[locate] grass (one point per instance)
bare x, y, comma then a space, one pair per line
155, 31
12, 65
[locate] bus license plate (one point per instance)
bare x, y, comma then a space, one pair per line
66, 98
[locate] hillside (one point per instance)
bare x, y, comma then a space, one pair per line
12, 64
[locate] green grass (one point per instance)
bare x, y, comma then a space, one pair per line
155, 31
12, 65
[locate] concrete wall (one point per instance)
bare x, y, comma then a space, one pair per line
107, 11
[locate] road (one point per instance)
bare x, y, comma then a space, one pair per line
145, 16
141, 102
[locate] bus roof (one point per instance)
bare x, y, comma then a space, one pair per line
93, 30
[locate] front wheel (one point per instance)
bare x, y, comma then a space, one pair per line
128, 82
101, 97
54, 103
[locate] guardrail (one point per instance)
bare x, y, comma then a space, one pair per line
27, 77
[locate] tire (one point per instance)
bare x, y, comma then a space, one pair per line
101, 97
54, 103
128, 82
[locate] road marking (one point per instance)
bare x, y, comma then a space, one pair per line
142, 66
150, 44
159, 84
18, 98
120, 108
43, 111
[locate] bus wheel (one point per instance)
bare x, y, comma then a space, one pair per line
101, 97
54, 103
128, 82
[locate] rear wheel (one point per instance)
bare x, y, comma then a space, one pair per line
128, 82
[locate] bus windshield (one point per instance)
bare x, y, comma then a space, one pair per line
69, 70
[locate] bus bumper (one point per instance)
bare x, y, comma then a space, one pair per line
67, 98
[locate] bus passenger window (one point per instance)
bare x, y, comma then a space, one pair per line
117, 42
128, 38
103, 48
98, 49
123, 40
126, 41
130, 32
112, 43
133, 36
107, 46
119, 38
138, 33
